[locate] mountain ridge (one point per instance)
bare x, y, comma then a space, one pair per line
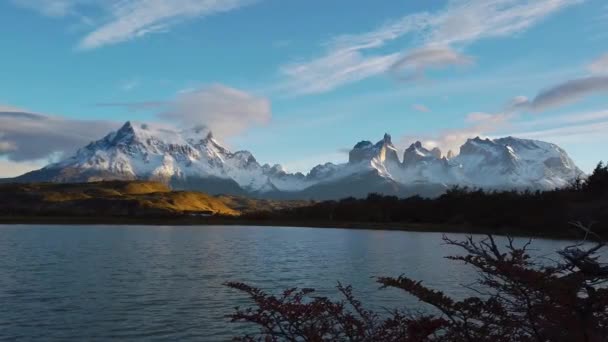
194, 160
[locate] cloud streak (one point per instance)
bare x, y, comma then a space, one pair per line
119, 21
354, 57
599, 66
413, 64
132, 19
421, 108
50, 8
562, 94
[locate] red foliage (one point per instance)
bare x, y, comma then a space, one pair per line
519, 299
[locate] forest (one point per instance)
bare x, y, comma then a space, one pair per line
542, 212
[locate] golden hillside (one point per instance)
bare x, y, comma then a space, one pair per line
124, 198
136, 198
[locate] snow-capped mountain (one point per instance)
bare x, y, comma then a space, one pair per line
195, 160
187, 159
519, 163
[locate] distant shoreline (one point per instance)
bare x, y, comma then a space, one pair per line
218, 221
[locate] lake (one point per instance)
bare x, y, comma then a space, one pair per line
87, 283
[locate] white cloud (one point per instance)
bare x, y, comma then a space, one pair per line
351, 58
569, 133
413, 64
478, 124
119, 21
600, 65
567, 119
466, 21
336, 69
224, 110
131, 19
421, 108
51, 8
574, 127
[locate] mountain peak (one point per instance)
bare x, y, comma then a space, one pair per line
436, 152
416, 152
126, 128
386, 141
387, 138
363, 144
366, 151
193, 159
481, 140
124, 134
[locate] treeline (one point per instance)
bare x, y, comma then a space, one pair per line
542, 212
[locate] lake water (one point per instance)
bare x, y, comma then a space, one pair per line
87, 283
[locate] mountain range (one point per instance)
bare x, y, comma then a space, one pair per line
194, 160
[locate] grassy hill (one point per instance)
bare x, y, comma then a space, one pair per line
119, 198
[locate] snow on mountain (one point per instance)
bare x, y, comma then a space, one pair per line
148, 152
516, 163
495, 164
194, 156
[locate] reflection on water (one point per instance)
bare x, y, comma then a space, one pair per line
165, 283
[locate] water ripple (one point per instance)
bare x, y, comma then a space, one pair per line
96, 283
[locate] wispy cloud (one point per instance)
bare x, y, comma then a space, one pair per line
224, 110
135, 106
566, 119
589, 132
413, 64
136, 18
51, 8
7, 108
306, 163
600, 65
563, 93
570, 127
421, 108
568, 91
351, 58
129, 84
476, 124
125, 20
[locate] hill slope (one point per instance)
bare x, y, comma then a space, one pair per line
114, 198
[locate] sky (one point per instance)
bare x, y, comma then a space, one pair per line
300, 82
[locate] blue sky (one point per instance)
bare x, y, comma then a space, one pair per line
299, 82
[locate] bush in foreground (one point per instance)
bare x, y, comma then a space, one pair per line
519, 299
